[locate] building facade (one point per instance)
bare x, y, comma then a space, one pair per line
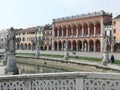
25, 38
116, 32
85, 32
3, 35
47, 37
109, 34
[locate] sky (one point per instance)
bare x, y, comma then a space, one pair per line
29, 13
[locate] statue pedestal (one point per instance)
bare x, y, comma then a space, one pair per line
105, 59
66, 56
37, 53
11, 67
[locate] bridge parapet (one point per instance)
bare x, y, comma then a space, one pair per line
61, 81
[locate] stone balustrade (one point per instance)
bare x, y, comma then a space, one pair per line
61, 81
82, 16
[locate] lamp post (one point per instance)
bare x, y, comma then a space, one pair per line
66, 56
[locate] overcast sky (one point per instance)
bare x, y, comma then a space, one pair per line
29, 13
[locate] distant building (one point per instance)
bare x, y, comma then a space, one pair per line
109, 34
3, 35
85, 31
116, 32
47, 37
26, 39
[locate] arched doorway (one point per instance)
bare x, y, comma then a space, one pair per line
22, 46
97, 46
18, 46
60, 45
79, 45
91, 29
79, 30
91, 45
29, 46
49, 47
85, 46
85, 29
74, 45
98, 28
55, 45
25, 47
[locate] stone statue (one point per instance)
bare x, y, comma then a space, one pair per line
6, 44
105, 44
10, 45
11, 67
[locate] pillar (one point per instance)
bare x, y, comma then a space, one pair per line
88, 31
82, 31
62, 33
72, 32
76, 46
82, 47
58, 46
102, 34
57, 33
71, 46
94, 47
53, 35
88, 47
77, 31
94, 30
62, 46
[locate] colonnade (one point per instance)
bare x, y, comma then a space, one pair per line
78, 45
31, 47
76, 30
78, 35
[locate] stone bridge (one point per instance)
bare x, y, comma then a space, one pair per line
61, 81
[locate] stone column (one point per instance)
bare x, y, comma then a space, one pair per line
77, 46
102, 34
71, 31
58, 46
88, 47
82, 47
62, 46
53, 35
94, 47
88, 31
94, 30
82, 32
62, 32
77, 31
57, 33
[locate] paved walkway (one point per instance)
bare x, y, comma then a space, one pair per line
87, 54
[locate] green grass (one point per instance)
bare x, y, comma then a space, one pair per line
71, 57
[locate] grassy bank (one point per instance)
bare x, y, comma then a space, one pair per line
71, 57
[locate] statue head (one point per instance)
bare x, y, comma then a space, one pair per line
11, 28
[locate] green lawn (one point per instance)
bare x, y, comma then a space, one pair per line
71, 57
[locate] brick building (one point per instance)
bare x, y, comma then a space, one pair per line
85, 32
116, 32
